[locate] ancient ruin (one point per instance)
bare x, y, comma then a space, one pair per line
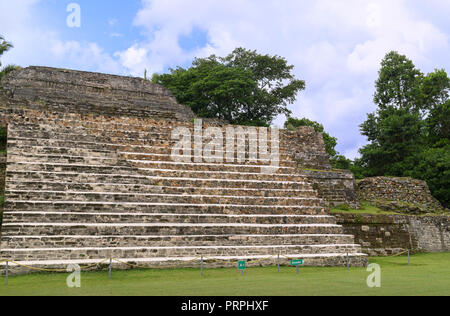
90, 176
404, 195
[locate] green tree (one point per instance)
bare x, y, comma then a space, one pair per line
435, 89
433, 166
394, 135
4, 47
438, 125
396, 130
243, 88
436, 104
398, 83
409, 133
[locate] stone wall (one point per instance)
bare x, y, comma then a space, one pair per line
398, 194
391, 234
2, 173
65, 90
307, 148
335, 187
93, 94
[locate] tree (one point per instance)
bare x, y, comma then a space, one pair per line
433, 166
398, 83
435, 89
243, 88
395, 134
4, 46
436, 104
396, 130
438, 125
409, 133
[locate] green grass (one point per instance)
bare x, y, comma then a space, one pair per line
429, 274
366, 208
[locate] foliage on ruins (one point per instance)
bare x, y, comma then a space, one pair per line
409, 134
243, 88
330, 142
337, 160
4, 47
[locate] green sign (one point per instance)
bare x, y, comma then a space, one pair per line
241, 265
296, 262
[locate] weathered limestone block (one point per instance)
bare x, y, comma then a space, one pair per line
307, 148
335, 187
65, 90
405, 195
391, 234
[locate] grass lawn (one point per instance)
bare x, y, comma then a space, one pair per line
429, 274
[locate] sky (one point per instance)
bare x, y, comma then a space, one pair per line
335, 46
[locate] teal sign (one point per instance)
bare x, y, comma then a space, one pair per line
296, 262
241, 265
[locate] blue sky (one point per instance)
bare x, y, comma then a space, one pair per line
335, 46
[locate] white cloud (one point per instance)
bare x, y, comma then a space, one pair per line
336, 46
35, 44
84, 56
393, 27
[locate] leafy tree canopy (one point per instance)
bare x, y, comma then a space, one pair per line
4, 46
243, 88
409, 133
398, 84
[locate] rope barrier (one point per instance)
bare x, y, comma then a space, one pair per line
144, 267
398, 254
51, 270
205, 259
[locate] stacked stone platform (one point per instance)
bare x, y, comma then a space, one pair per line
82, 188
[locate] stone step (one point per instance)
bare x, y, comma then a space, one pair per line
134, 188
173, 240
18, 229
203, 174
19, 149
100, 128
15, 177
152, 139
172, 252
159, 198
174, 208
19, 160
30, 154
101, 123
170, 157
161, 148
213, 167
315, 260
156, 132
13, 216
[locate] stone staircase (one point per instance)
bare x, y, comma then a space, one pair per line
80, 189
